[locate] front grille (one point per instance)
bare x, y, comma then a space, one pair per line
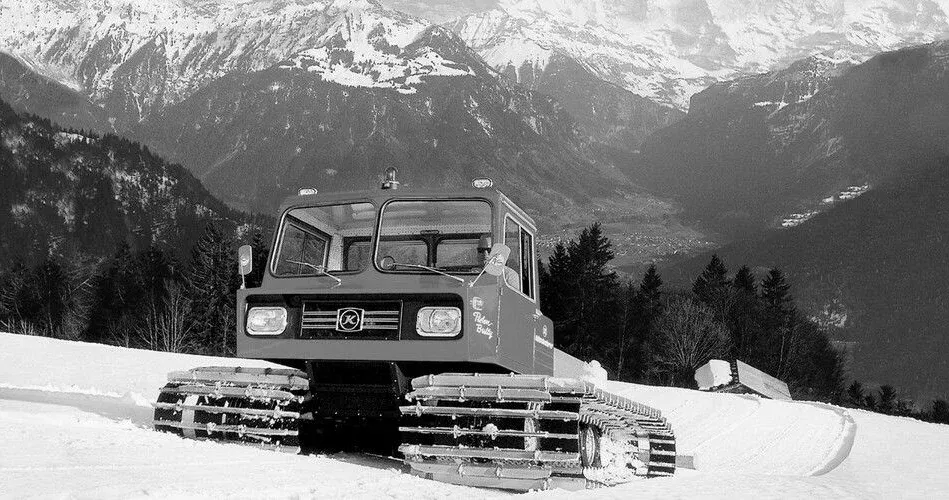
381, 320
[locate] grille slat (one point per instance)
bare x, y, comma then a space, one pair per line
381, 320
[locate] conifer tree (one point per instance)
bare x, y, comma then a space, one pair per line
743, 313
627, 336
592, 253
543, 277
855, 394
745, 281
555, 288
261, 253
870, 402
51, 289
649, 286
156, 268
581, 295
645, 307
775, 291
904, 408
886, 402
940, 411
595, 285
712, 282
776, 318
118, 292
212, 281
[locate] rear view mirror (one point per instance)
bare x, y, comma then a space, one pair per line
245, 260
496, 259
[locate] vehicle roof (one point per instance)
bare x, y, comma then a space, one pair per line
380, 196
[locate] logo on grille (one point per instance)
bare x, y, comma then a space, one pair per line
349, 319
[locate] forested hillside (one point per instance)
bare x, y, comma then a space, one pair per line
874, 270
104, 241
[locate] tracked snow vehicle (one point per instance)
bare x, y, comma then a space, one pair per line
409, 320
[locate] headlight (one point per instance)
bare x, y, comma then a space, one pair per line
438, 321
266, 320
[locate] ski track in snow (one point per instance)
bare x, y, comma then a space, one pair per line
75, 422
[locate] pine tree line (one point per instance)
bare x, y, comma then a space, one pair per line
640, 331
146, 299
886, 400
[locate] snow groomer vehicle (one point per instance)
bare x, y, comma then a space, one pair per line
409, 320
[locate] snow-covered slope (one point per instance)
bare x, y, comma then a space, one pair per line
74, 420
668, 50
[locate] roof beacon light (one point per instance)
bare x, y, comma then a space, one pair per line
482, 183
390, 182
307, 191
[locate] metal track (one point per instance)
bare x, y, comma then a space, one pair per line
524, 432
257, 406
518, 432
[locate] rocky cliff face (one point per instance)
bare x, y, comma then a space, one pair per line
28, 91
607, 113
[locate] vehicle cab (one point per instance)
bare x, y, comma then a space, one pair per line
399, 276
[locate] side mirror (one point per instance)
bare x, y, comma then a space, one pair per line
496, 259
245, 260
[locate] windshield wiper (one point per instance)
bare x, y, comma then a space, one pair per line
432, 269
320, 270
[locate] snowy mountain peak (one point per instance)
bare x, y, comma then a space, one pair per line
375, 58
669, 50
366, 45
137, 57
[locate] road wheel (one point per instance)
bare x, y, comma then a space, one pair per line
589, 446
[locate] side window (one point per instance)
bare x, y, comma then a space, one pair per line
521, 261
527, 261
512, 238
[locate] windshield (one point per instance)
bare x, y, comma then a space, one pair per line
444, 234
335, 237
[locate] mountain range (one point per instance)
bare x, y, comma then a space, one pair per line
326, 117
774, 149
669, 50
134, 58
261, 98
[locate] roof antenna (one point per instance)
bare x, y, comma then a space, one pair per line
390, 182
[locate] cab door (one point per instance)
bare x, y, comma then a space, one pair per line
519, 314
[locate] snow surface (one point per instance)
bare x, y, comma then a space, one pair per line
75, 422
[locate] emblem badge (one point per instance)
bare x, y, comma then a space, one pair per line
349, 319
